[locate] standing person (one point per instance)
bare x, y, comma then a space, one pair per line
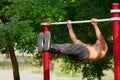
78, 50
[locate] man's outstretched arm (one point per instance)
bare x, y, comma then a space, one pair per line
97, 30
100, 38
72, 34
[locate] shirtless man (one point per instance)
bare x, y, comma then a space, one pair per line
78, 50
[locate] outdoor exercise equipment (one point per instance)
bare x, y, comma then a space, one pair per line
83, 21
116, 40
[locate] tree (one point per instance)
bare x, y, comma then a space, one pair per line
16, 34
22, 22
18, 29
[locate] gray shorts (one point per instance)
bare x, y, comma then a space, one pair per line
74, 51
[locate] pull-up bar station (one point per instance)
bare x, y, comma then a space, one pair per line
84, 21
116, 40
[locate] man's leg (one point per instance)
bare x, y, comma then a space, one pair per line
74, 51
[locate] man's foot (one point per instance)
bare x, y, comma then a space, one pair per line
47, 39
40, 42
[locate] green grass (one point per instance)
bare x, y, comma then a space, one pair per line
5, 63
109, 75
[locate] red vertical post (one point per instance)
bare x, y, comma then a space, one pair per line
116, 42
46, 55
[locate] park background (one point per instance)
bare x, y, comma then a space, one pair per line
20, 24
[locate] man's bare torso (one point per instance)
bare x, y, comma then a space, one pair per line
95, 51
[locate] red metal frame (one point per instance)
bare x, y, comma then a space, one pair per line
46, 58
116, 42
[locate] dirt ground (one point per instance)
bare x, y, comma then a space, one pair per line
30, 75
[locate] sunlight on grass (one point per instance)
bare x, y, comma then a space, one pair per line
5, 63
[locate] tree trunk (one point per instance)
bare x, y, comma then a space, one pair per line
14, 63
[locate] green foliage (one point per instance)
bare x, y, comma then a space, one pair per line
17, 33
17, 30
83, 10
23, 24
38, 59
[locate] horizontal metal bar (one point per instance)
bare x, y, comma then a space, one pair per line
115, 11
84, 21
